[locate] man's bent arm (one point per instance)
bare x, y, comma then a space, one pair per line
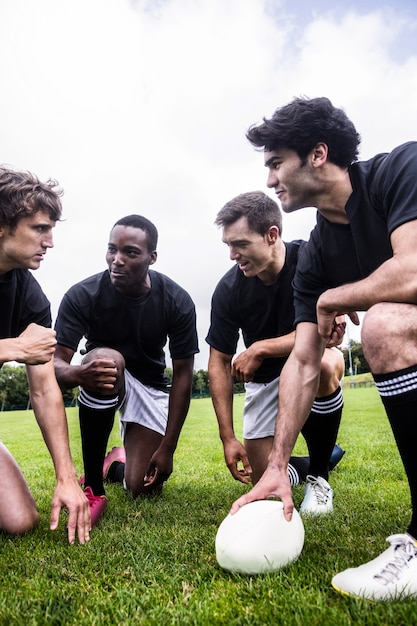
247, 362
395, 280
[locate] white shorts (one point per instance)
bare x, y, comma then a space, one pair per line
143, 405
260, 410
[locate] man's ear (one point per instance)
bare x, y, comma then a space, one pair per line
272, 234
153, 257
319, 154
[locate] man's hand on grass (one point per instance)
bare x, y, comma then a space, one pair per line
70, 496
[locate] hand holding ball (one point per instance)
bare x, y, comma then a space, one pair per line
258, 538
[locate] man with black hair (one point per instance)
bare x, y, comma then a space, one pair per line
361, 256
126, 314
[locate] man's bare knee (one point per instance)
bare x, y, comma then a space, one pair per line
331, 372
22, 522
105, 353
117, 357
326, 373
374, 324
389, 336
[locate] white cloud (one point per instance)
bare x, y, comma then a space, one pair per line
143, 107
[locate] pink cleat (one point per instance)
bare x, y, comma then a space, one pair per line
115, 454
98, 505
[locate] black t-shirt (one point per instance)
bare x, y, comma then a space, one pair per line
384, 197
260, 311
22, 302
137, 327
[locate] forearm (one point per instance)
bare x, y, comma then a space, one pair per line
221, 390
293, 411
222, 398
48, 407
248, 362
35, 345
275, 347
67, 375
298, 386
394, 281
55, 434
10, 350
49, 410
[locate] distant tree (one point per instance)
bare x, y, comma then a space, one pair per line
70, 396
168, 375
3, 398
239, 387
201, 386
359, 363
356, 364
200, 382
14, 386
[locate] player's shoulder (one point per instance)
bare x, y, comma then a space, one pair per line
404, 149
161, 283
160, 279
402, 157
22, 276
230, 280
90, 284
383, 162
294, 249
95, 278
25, 282
295, 245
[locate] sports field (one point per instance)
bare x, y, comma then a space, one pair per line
153, 561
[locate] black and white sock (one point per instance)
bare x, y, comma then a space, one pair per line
398, 391
96, 423
320, 431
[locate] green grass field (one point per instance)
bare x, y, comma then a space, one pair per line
152, 561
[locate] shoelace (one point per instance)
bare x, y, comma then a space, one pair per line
404, 550
321, 493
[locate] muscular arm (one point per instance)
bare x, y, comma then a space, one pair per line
161, 463
221, 388
247, 362
303, 364
394, 281
49, 410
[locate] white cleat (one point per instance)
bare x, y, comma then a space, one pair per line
318, 497
391, 576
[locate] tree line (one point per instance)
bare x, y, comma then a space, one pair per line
14, 389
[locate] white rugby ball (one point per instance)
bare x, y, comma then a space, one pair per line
258, 538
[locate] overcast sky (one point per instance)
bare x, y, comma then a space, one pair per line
142, 107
